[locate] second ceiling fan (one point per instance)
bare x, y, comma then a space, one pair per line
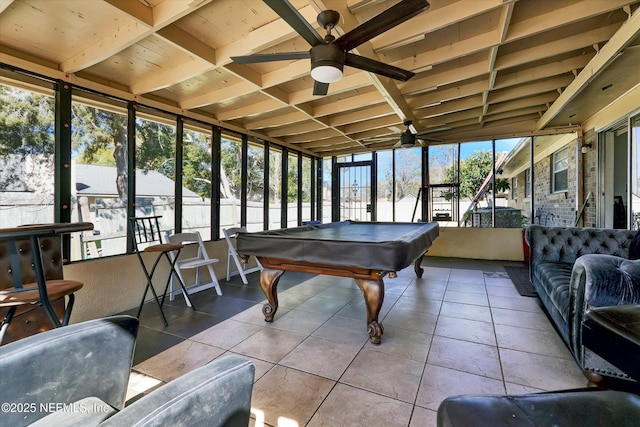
409, 138
329, 55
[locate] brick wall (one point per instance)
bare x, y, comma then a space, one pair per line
557, 209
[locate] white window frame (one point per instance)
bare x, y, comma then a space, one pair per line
559, 164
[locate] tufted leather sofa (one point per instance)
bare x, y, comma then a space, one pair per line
573, 269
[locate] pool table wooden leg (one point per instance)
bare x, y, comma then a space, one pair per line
416, 266
269, 283
373, 292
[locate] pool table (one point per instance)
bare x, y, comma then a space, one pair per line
365, 251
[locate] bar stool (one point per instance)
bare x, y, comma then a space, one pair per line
146, 237
36, 282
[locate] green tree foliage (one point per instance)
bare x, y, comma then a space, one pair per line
95, 133
474, 170
26, 130
231, 157
26, 122
255, 173
156, 147
99, 137
292, 179
196, 172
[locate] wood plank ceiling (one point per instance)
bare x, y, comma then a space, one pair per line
484, 68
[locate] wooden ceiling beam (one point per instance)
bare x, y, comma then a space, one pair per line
560, 16
556, 47
362, 114
434, 79
279, 119
250, 110
164, 14
431, 20
629, 30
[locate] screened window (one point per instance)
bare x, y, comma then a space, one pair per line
384, 199
155, 167
255, 187
560, 170
99, 153
26, 157
292, 190
514, 188
326, 189
306, 188
527, 182
407, 181
230, 181
275, 188
196, 181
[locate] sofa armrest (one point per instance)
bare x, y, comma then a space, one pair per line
601, 280
609, 280
65, 365
217, 394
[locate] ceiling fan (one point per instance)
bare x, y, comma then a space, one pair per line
409, 138
329, 55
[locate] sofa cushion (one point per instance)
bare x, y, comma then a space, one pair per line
555, 278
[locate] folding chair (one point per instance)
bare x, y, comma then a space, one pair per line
200, 260
146, 236
241, 268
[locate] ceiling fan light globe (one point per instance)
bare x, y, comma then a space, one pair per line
326, 73
407, 140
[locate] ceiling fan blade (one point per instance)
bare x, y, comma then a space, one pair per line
426, 141
320, 88
270, 57
292, 17
377, 67
397, 14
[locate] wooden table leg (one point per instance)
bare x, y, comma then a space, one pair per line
269, 283
416, 266
373, 292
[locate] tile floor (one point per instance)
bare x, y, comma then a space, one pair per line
460, 329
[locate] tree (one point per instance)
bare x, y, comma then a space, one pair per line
99, 137
26, 122
196, 166
474, 170
407, 175
26, 138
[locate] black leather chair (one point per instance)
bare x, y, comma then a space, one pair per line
78, 376
571, 408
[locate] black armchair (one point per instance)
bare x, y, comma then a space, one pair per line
78, 375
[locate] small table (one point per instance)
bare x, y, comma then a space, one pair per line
365, 251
